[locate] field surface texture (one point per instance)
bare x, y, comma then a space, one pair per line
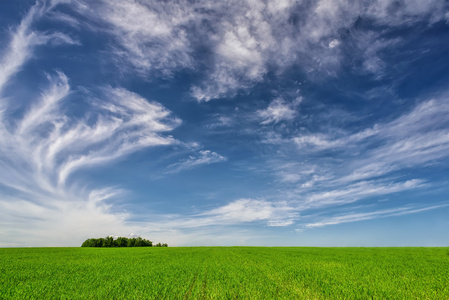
224, 273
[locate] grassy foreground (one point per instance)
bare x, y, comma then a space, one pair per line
224, 273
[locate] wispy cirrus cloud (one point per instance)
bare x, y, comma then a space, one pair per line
357, 191
124, 124
24, 40
414, 139
222, 224
233, 213
204, 157
241, 42
150, 37
383, 213
337, 166
311, 157
46, 147
251, 210
42, 147
131, 123
272, 213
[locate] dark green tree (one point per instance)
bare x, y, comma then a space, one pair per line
131, 242
107, 242
119, 242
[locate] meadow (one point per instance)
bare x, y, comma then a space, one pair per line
224, 273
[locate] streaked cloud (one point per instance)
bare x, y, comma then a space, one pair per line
39, 155
358, 191
250, 210
149, 36
243, 41
233, 213
384, 213
326, 114
42, 148
413, 139
23, 40
334, 168
204, 157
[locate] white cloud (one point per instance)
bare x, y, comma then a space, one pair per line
45, 110
360, 190
64, 18
334, 43
326, 141
251, 39
241, 41
292, 171
416, 138
250, 210
279, 110
24, 40
395, 13
237, 212
57, 219
357, 217
369, 44
41, 148
204, 157
241, 50
336, 166
46, 147
220, 122
319, 141
125, 123
149, 36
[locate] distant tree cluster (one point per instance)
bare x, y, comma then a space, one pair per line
120, 242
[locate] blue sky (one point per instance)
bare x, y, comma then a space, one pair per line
290, 123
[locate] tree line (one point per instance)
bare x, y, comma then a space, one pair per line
109, 241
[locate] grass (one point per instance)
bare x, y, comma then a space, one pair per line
224, 273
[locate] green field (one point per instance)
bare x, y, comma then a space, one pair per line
224, 273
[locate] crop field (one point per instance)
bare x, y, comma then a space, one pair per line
224, 273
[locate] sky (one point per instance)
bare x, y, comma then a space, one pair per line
221, 123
